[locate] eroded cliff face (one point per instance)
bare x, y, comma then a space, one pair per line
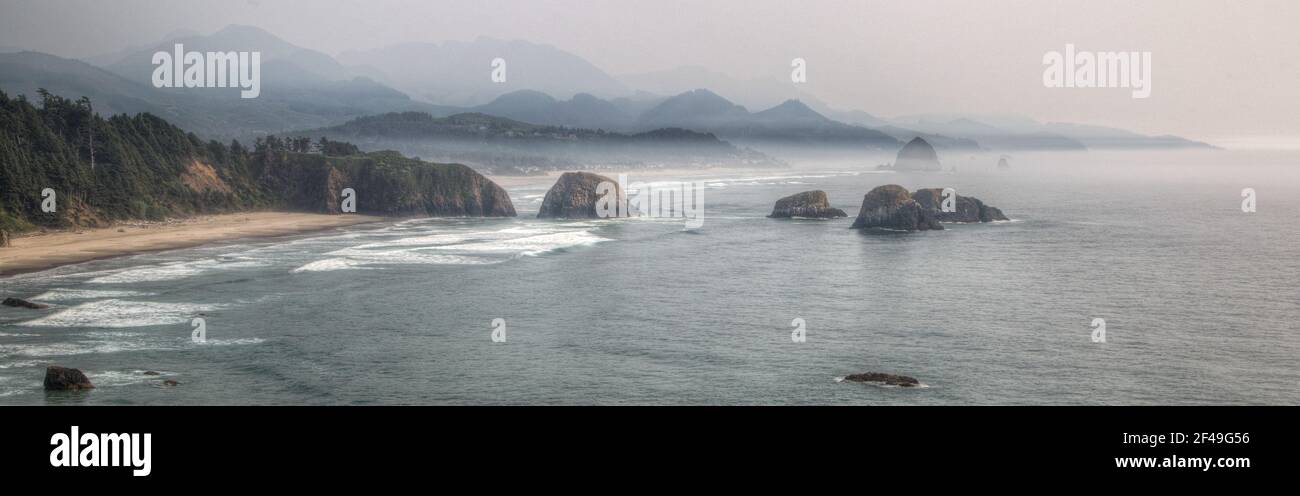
574, 196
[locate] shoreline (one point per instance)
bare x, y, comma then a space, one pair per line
43, 251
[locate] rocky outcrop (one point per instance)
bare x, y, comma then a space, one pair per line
917, 155
4, 238
1003, 163
65, 379
21, 303
966, 208
574, 196
385, 183
892, 207
809, 204
886, 379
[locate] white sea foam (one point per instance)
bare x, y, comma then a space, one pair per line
121, 313
329, 264
457, 246
529, 245
172, 271
64, 294
23, 363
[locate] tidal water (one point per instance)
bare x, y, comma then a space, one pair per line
1200, 300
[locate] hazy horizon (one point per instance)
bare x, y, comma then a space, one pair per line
1223, 73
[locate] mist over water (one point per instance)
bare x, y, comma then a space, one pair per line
1199, 299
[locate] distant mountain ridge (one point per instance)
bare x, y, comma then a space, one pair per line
459, 73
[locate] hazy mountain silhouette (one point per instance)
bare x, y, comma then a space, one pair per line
304, 88
583, 110
459, 73
213, 113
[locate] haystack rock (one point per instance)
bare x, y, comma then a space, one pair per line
892, 207
967, 208
917, 155
65, 379
809, 204
574, 196
1003, 163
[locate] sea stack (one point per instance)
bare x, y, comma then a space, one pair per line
892, 207
809, 204
65, 379
1003, 163
917, 155
574, 196
966, 208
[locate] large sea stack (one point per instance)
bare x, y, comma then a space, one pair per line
574, 196
809, 204
967, 209
892, 207
917, 155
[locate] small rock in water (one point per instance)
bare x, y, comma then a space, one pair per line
886, 379
809, 204
170, 382
21, 303
151, 372
65, 379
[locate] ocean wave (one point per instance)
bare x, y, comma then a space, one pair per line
458, 246
64, 294
528, 245
121, 313
171, 271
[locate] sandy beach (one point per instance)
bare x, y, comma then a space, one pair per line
34, 252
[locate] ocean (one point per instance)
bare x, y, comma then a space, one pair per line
1199, 299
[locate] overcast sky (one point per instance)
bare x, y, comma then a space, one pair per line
1222, 70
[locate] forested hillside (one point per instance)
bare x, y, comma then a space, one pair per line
142, 167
